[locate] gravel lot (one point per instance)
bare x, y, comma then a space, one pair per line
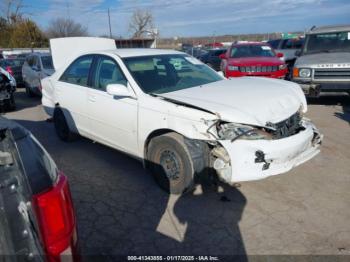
122, 211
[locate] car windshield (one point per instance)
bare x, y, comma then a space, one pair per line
47, 62
217, 52
327, 42
252, 51
167, 73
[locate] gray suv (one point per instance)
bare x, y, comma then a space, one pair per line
36, 67
323, 64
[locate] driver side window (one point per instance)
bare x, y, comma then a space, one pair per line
107, 72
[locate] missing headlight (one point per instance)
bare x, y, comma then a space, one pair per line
231, 131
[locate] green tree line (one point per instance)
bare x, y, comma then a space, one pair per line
21, 32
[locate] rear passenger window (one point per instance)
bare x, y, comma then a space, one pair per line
30, 61
78, 72
107, 72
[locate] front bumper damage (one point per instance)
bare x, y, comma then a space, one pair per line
248, 160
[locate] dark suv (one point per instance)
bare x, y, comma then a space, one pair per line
212, 58
37, 219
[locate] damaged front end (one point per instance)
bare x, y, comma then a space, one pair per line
245, 152
7, 88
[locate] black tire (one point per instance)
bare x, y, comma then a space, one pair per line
171, 149
61, 126
11, 104
28, 91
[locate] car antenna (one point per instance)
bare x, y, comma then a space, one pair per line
313, 27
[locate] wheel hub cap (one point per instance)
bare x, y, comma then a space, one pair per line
170, 164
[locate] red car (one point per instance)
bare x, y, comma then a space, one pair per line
253, 59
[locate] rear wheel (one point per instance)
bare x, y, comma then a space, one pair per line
29, 92
61, 126
171, 163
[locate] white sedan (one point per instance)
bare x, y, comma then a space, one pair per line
179, 116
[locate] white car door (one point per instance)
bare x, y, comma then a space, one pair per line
71, 92
113, 120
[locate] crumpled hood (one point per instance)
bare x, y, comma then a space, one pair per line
323, 58
246, 100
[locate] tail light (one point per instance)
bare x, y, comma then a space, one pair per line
56, 218
9, 69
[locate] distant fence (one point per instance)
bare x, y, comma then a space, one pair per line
17, 51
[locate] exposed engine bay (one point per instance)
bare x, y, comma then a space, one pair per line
7, 88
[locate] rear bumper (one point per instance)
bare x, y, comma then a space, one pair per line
47, 105
279, 156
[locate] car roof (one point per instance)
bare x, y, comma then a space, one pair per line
133, 52
329, 29
250, 43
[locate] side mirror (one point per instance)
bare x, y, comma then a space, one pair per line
35, 68
222, 56
119, 90
280, 55
297, 53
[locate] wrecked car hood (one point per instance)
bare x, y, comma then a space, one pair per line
246, 100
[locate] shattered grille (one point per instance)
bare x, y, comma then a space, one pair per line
286, 128
258, 69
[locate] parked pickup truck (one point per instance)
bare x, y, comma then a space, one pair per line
37, 220
323, 64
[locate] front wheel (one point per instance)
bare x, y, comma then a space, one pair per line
170, 163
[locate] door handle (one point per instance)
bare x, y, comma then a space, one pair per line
92, 98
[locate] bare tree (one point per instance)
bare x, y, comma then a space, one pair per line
12, 10
141, 23
65, 27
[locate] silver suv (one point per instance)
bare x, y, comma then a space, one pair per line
36, 67
323, 64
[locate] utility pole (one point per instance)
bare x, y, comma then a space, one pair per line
68, 9
109, 22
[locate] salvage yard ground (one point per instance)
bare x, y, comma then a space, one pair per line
121, 210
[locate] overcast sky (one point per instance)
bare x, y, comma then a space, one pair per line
196, 17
